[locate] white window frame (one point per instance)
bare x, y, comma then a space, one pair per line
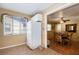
11, 28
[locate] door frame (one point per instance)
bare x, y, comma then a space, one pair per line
63, 6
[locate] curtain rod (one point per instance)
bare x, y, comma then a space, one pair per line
9, 15
13, 15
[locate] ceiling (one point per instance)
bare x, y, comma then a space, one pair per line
28, 8
69, 13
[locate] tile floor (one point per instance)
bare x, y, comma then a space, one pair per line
24, 50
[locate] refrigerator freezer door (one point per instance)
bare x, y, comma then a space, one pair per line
36, 34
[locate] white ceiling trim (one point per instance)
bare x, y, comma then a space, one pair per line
58, 7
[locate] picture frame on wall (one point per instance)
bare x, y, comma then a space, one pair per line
71, 27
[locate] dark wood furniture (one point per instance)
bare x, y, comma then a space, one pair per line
63, 38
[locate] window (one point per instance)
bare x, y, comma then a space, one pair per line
14, 25
49, 27
58, 27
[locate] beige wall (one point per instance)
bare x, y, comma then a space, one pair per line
11, 39
75, 36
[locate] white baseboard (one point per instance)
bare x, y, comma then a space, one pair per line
12, 46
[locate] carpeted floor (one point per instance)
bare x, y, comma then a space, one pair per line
24, 50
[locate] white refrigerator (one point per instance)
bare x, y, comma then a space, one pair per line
34, 32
